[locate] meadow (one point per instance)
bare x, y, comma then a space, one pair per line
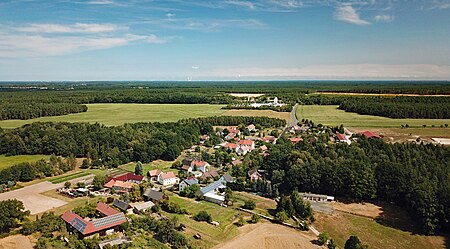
332, 116
118, 114
8, 161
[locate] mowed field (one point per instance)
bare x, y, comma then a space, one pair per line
331, 115
8, 161
258, 113
118, 114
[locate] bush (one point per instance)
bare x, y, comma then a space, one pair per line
173, 208
255, 218
67, 185
281, 216
323, 238
241, 222
203, 216
249, 204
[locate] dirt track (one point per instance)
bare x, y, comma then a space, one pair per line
269, 236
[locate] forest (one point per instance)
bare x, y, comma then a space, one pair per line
414, 176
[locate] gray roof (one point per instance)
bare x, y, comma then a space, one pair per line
227, 177
120, 204
212, 186
153, 194
191, 181
145, 205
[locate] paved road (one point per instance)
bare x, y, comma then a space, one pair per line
32, 198
294, 116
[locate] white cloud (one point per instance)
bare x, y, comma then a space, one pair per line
347, 13
101, 2
206, 25
170, 15
288, 3
195, 67
246, 4
358, 71
71, 28
384, 18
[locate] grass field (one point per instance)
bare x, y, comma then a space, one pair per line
158, 164
8, 161
65, 178
257, 113
341, 225
330, 115
118, 114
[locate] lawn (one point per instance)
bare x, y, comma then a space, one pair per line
211, 235
330, 115
341, 225
158, 164
8, 161
118, 114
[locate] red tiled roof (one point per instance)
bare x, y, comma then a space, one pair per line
168, 175
341, 137
119, 184
154, 172
198, 163
129, 177
369, 134
236, 162
105, 209
246, 142
90, 227
263, 147
186, 167
230, 146
268, 138
296, 140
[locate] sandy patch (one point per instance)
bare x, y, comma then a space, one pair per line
269, 236
16, 241
367, 209
443, 141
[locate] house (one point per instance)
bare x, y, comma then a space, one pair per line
200, 165
230, 146
269, 139
167, 179
230, 136
187, 168
119, 186
248, 143
141, 207
204, 137
226, 178
296, 140
316, 197
210, 174
234, 130
130, 177
342, 139
154, 196
251, 128
263, 148
106, 225
243, 149
121, 205
254, 175
186, 183
369, 134
153, 174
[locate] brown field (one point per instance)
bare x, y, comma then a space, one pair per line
378, 225
407, 134
266, 235
16, 242
381, 94
258, 113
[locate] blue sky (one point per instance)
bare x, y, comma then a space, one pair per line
224, 40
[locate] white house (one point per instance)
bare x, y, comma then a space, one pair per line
200, 165
167, 179
186, 183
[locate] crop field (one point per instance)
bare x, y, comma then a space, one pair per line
8, 161
257, 113
330, 115
118, 114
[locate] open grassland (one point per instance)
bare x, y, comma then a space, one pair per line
65, 178
8, 161
118, 114
211, 235
331, 115
368, 226
257, 113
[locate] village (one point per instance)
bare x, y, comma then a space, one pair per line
208, 171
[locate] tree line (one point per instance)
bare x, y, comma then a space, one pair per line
414, 176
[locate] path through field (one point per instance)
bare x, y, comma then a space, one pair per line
32, 198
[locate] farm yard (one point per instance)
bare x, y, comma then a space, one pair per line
118, 114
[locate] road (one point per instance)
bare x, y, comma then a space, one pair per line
294, 116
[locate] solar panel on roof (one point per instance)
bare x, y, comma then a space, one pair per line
108, 220
79, 224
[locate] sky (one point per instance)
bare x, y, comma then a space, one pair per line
80, 40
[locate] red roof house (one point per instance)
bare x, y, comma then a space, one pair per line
369, 134
129, 177
296, 140
230, 146
105, 209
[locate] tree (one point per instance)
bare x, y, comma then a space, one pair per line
249, 204
323, 238
281, 216
240, 222
67, 184
353, 242
99, 182
203, 216
85, 164
332, 244
255, 218
229, 196
11, 212
138, 169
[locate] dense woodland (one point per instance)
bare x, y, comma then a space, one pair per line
414, 176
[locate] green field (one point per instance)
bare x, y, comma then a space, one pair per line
118, 114
330, 115
8, 161
65, 178
158, 164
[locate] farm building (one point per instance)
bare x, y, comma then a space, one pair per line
119, 186
316, 197
121, 205
342, 139
153, 174
106, 225
167, 179
153, 195
214, 192
142, 207
369, 134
